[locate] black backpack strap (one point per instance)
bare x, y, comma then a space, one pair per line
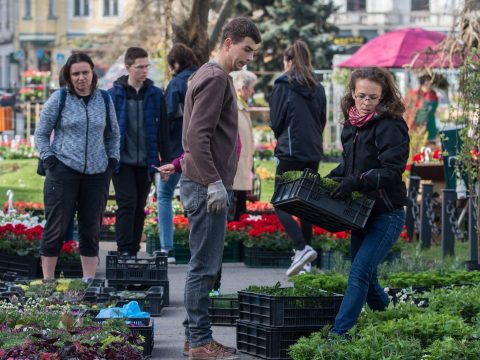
61, 105
106, 99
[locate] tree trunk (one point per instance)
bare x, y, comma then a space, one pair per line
190, 26
225, 12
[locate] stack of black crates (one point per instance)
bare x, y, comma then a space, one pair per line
142, 274
269, 324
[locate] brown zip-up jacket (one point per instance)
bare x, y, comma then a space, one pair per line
210, 127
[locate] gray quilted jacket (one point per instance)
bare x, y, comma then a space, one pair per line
79, 141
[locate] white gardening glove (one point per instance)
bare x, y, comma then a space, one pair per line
217, 197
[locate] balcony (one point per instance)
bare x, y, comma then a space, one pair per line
415, 19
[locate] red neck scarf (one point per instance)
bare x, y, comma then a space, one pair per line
357, 119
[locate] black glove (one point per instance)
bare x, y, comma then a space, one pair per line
346, 187
50, 162
112, 164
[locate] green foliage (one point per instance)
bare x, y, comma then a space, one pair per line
21, 177
337, 282
424, 326
326, 184
431, 278
334, 282
453, 349
376, 346
460, 301
278, 290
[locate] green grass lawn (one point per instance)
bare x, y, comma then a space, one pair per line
21, 177
267, 185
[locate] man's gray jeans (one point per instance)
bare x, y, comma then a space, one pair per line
207, 236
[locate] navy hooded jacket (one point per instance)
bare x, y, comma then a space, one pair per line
175, 99
298, 117
154, 117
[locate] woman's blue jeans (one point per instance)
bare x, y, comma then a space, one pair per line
369, 247
165, 190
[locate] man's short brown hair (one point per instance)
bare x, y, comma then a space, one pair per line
239, 28
134, 53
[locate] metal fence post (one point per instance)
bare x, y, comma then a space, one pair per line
448, 240
425, 228
472, 234
412, 205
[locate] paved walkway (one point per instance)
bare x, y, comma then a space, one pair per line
168, 327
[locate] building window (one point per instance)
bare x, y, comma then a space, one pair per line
110, 7
51, 9
356, 5
81, 8
28, 9
420, 5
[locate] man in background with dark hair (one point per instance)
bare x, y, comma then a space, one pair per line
182, 63
144, 143
210, 128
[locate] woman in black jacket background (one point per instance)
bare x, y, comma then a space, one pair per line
375, 152
298, 117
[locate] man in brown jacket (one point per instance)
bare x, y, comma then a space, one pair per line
210, 127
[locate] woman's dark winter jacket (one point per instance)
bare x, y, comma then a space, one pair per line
378, 154
298, 117
175, 99
142, 119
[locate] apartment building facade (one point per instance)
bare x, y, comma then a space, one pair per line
38, 31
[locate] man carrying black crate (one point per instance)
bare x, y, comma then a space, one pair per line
210, 128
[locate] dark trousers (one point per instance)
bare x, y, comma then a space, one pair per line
301, 236
64, 190
132, 185
240, 203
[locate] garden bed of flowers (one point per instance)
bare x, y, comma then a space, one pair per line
56, 318
20, 235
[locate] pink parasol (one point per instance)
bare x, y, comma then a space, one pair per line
396, 49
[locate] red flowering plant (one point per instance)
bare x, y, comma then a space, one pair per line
328, 241
264, 232
18, 239
108, 223
70, 251
181, 232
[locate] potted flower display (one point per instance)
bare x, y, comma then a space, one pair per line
69, 265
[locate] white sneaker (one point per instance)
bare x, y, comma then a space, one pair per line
171, 260
307, 268
301, 258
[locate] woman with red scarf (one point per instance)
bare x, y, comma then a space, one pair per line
375, 153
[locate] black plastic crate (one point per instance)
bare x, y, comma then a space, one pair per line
133, 269
223, 310
305, 198
27, 266
131, 286
288, 311
267, 342
99, 295
151, 301
259, 258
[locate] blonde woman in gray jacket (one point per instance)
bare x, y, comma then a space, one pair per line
79, 162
